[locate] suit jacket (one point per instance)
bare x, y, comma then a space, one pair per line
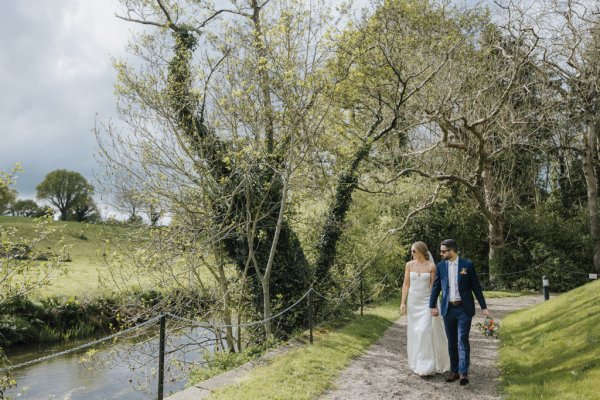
468, 284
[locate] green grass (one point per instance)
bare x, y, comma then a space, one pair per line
85, 245
304, 373
490, 294
552, 351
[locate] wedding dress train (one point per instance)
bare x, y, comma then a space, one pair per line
427, 346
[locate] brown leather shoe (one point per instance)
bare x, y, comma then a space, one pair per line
464, 380
453, 376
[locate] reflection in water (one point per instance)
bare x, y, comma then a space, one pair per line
124, 370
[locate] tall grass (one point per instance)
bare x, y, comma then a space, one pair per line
50, 334
552, 351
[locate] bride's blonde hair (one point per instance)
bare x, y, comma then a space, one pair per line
422, 248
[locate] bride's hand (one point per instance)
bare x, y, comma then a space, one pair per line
402, 308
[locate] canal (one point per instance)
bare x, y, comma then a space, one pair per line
124, 369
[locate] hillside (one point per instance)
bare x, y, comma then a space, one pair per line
552, 351
85, 244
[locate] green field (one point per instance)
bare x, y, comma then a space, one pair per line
90, 247
552, 351
85, 245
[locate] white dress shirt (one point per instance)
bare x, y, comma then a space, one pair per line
454, 295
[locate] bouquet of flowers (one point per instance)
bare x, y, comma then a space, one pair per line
489, 327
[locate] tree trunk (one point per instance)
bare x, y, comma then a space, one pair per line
496, 250
267, 309
591, 180
332, 230
290, 276
226, 308
495, 218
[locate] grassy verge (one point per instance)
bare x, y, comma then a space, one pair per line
552, 351
490, 294
306, 372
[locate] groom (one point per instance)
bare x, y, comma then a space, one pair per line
457, 280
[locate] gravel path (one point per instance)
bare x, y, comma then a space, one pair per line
382, 372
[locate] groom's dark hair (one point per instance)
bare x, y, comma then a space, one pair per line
450, 244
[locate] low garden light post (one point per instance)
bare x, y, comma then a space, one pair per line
546, 286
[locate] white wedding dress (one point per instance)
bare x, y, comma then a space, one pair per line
426, 345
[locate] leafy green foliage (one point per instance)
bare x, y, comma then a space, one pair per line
369, 249
6, 379
216, 362
26, 208
547, 242
55, 319
67, 191
7, 197
456, 217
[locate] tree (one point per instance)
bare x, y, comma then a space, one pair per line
26, 208
65, 190
85, 210
154, 214
7, 198
478, 114
570, 61
230, 121
382, 66
134, 203
129, 200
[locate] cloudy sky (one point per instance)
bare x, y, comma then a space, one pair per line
55, 77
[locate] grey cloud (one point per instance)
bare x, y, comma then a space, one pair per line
55, 76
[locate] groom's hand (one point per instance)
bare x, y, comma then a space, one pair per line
434, 312
486, 312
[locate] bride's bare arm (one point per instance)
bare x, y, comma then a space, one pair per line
432, 275
405, 287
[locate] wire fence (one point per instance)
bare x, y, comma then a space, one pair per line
182, 322
354, 287
540, 268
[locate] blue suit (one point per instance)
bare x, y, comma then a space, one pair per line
457, 318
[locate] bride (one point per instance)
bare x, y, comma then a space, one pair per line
426, 345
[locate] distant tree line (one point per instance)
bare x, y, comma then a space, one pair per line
71, 196
68, 193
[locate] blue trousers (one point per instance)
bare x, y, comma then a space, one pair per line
458, 326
